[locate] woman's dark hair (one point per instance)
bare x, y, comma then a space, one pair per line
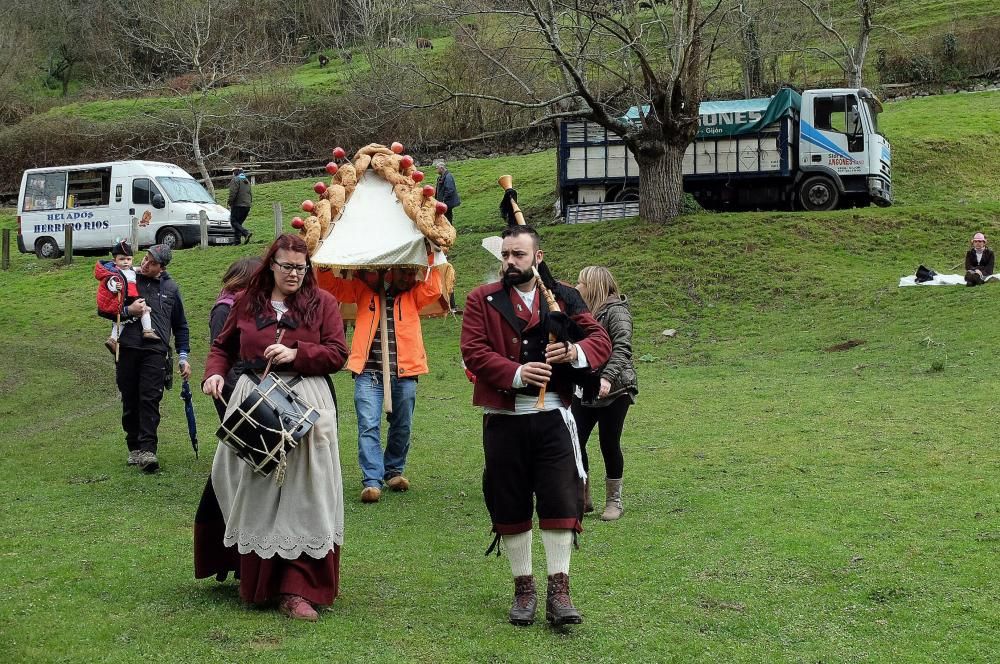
303, 304
239, 274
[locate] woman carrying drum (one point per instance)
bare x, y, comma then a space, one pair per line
282, 539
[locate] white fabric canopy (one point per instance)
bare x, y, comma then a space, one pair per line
941, 280
372, 231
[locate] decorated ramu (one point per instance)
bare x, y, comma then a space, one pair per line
378, 238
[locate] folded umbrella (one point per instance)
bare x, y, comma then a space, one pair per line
189, 411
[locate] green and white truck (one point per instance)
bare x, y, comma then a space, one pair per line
820, 150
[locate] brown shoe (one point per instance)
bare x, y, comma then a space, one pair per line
151, 335
297, 608
398, 483
522, 611
370, 494
111, 344
559, 609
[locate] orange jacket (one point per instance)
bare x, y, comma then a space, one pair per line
411, 358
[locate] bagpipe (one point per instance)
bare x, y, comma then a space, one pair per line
559, 325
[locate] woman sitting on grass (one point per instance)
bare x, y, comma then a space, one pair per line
978, 261
282, 541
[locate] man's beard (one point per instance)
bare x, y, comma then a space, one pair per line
515, 277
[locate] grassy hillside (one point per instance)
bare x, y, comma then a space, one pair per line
903, 22
810, 468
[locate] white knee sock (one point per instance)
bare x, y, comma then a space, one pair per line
558, 545
519, 553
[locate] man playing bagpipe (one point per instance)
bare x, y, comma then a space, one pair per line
528, 340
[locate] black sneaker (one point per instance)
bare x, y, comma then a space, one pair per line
248, 236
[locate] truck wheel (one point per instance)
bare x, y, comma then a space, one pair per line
170, 237
819, 194
627, 195
46, 247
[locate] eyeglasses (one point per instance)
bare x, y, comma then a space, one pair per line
288, 268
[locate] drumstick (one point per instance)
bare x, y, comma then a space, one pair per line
277, 340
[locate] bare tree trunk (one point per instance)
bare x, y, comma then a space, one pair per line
866, 9
661, 192
199, 158
751, 58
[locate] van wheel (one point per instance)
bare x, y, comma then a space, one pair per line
46, 247
819, 194
170, 237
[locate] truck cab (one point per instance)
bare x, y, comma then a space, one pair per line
841, 151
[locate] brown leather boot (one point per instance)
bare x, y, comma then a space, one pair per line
522, 611
613, 508
151, 335
559, 609
588, 504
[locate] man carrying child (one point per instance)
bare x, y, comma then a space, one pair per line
118, 285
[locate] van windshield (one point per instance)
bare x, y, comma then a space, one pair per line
185, 190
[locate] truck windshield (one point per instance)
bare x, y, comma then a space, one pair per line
873, 110
185, 190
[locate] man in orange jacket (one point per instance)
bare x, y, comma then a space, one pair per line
405, 297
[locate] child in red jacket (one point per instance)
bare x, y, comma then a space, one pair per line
117, 284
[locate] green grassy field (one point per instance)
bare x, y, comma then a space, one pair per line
785, 500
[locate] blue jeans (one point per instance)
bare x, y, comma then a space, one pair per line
377, 466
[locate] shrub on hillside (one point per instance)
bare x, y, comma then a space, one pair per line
947, 57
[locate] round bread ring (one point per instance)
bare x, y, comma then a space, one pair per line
312, 229
372, 149
323, 214
361, 163
348, 178
337, 196
425, 222
445, 231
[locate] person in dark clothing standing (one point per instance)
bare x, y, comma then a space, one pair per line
141, 369
979, 261
446, 192
234, 282
240, 200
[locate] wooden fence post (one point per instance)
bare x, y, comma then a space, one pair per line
6, 249
203, 221
134, 234
67, 244
278, 225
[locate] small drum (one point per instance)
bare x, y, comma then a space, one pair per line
268, 425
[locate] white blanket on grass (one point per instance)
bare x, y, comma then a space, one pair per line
941, 280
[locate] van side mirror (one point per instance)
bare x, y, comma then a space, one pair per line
158, 201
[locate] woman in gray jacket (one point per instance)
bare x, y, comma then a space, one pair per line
605, 403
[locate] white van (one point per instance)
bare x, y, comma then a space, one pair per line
100, 201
